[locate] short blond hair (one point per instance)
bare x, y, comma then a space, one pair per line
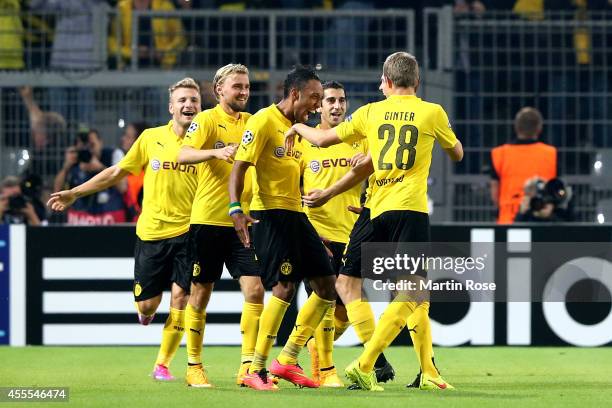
225, 71
402, 69
183, 83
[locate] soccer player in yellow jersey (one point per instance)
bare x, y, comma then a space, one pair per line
401, 131
333, 222
216, 133
161, 252
322, 169
277, 207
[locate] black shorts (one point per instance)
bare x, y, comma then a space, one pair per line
402, 226
159, 263
362, 232
211, 246
337, 250
288, 247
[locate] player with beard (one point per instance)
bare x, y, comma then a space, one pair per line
215, 134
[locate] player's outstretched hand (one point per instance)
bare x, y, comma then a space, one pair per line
315, 198
326, 244
61, 200
241, 225
290, 139
226, 153
356, 210
356, 159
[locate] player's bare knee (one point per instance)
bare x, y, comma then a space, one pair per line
200, 295
284, 291
254, 294
342, 287
148, 307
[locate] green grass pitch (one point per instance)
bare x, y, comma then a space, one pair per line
484, 377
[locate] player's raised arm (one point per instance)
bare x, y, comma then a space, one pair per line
108, 177
318, 137
456, 152
239, 218
190, 155
359, 173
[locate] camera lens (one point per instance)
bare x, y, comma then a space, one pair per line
84, 156
16, 203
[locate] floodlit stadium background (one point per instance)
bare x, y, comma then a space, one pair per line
481, 67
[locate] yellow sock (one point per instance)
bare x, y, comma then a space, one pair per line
171, 336
324, 338
361, 318
389, 326
269, 323
249, 326
195, 323
340, 327
420, 332
307, 320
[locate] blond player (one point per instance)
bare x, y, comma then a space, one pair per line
215, 134
161, 253
401, 132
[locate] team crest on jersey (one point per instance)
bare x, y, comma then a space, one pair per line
315, 166
279, 151
196, 269
248, 137
192, 128
219, 145
286, 268
155, 164
137, 289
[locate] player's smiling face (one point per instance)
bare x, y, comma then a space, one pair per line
184, 105
333, 107
308, 100
234, 92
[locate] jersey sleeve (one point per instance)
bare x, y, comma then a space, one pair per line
136, 158
443, 131
354, 128
198, 131
253, 141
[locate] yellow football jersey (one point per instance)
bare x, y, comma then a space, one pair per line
168, 187
401, 131
276, 184
214, 129
321, 168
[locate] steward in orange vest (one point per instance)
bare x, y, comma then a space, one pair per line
514, 163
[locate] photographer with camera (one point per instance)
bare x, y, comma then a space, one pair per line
86, 158
16, 207
546, 201
516, 162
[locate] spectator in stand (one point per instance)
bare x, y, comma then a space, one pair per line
82, 161
15, 207
133, 193
11, 35
74, 49
48, 137
516, 162
160, 40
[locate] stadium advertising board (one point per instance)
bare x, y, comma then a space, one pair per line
79, 281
